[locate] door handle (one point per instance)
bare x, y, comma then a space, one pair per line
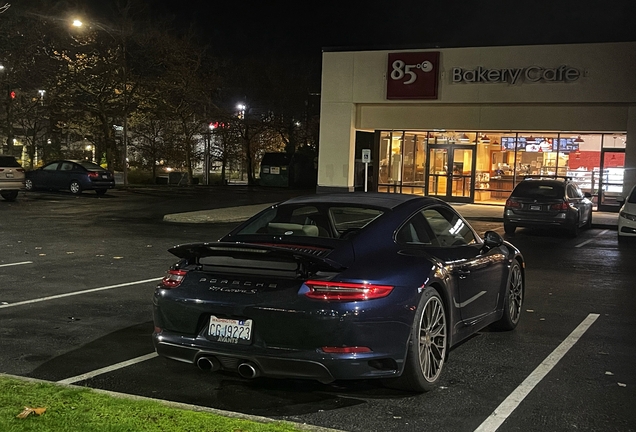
463, 273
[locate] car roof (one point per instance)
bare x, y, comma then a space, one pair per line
373, 199
547, 179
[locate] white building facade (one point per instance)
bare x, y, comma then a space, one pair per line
467, 124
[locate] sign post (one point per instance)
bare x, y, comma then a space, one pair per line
366, 158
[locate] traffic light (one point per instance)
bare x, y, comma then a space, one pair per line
12, 94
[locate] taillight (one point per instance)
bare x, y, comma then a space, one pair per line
513, 204
173, 278
563, 206
20, 169
344, 291
93, 174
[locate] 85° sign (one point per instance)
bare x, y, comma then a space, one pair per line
412, 75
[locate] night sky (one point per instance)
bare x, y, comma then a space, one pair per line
305, 26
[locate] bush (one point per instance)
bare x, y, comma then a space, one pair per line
140, 177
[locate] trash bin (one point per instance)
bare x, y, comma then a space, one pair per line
275, 170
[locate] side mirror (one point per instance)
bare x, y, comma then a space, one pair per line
620, 200
492, 239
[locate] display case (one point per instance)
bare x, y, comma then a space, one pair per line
584, 179
482, 186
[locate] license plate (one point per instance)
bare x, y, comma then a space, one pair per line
104, 176
230, 330
9, 175
535, 207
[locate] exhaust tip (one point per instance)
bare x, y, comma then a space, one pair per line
248, 370
208, 364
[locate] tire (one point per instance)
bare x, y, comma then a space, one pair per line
10, 195
509, 229
427, 348
75, 187
513, 300
574, 230
100, 192
28, 185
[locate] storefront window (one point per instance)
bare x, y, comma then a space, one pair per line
414, 163
485, 166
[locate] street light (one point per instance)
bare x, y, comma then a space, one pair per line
119, 37
208, 140
241, 108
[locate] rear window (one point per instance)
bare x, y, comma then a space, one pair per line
9, 162
311, 221
530, 189
90, 166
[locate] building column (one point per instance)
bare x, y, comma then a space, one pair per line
630, 151
337, 147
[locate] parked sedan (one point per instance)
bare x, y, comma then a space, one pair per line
74, 175
548, 202
338, 287
11, 177
627, 217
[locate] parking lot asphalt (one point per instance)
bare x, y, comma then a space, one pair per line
78, 273
482, 212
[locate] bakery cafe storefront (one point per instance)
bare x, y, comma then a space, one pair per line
468, 124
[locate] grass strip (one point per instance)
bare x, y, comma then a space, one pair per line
70, 408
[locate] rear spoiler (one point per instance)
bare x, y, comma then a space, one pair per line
192, 252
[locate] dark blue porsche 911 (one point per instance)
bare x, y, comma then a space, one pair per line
337, 287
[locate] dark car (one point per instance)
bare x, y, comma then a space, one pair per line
73, 175
545, 202
11, 177
337, 287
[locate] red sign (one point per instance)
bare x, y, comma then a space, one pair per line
412, 75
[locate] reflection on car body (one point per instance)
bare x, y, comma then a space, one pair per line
339, 286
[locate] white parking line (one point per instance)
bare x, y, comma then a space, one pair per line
77, 293
588, 241
15, 264
503, 411
107, 369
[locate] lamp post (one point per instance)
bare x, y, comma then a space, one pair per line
121, 41
208, 142
241, 113
9, 108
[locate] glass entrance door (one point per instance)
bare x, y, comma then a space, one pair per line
450, 172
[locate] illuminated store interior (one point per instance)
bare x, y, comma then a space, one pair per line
483, 167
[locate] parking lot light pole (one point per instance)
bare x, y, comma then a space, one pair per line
121, 41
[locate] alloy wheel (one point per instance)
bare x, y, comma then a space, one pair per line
432, 339
75, 187
515, 294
